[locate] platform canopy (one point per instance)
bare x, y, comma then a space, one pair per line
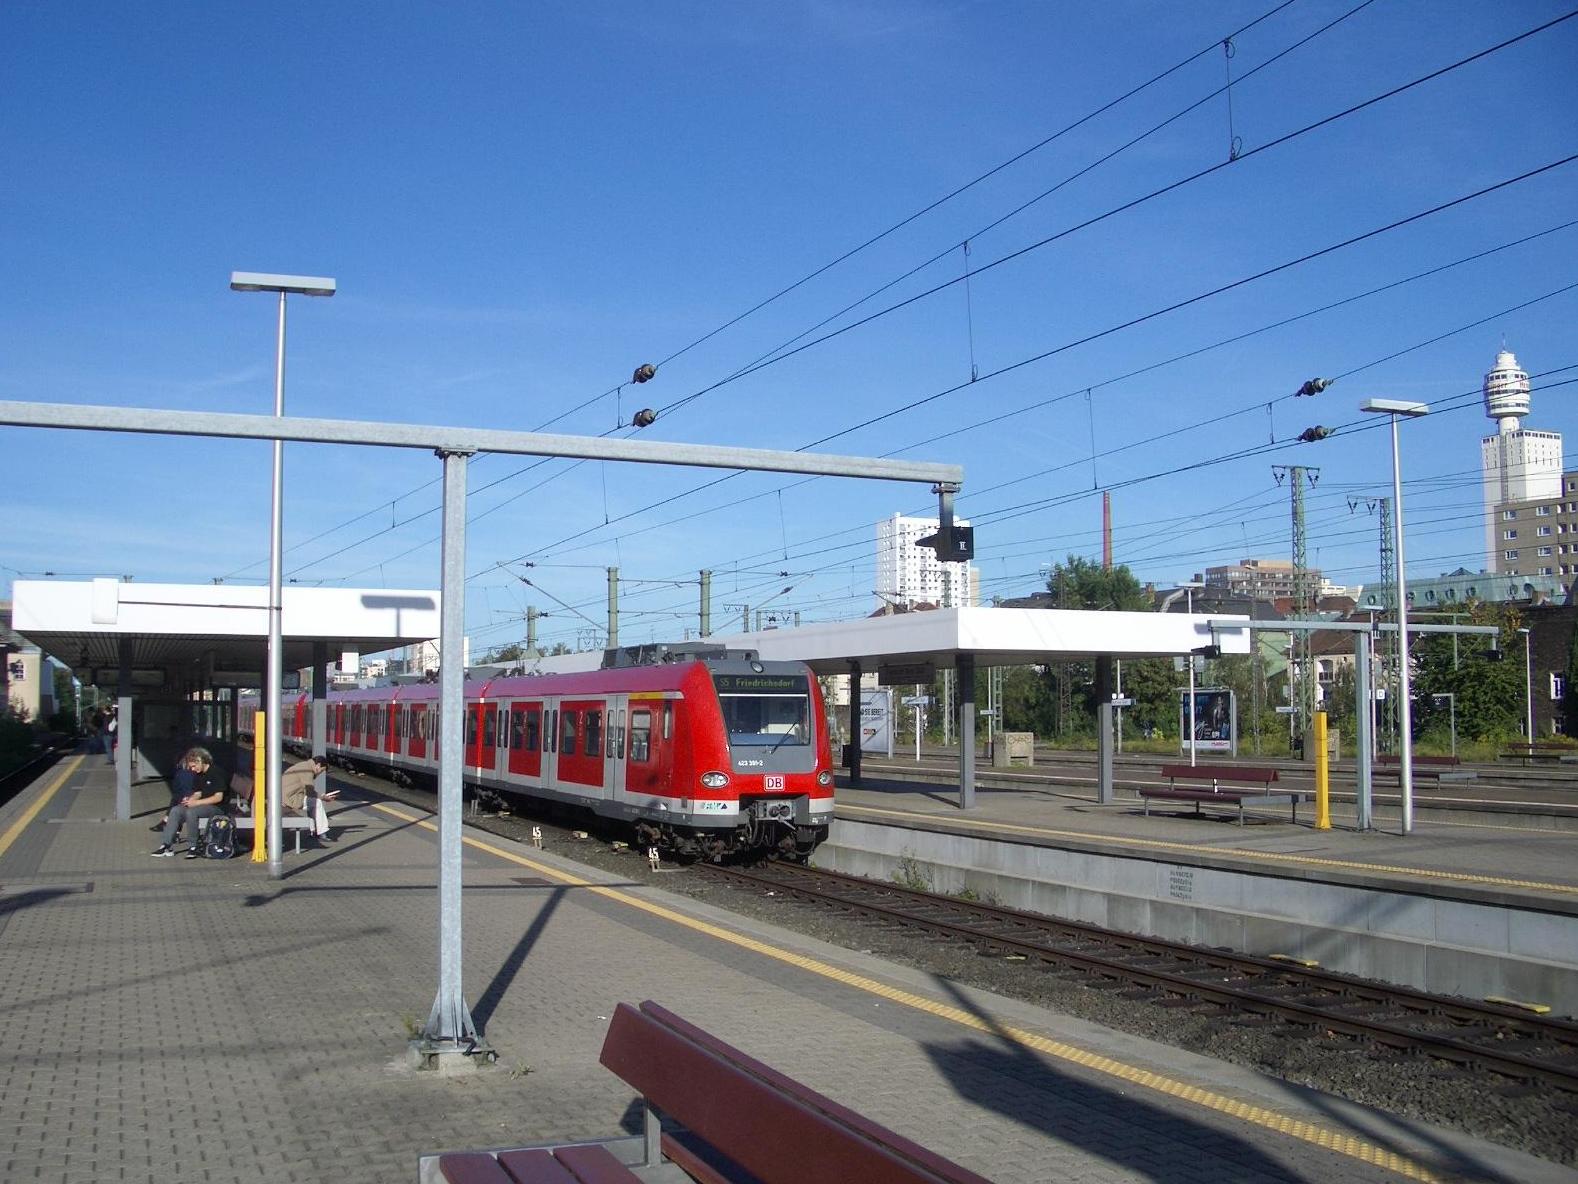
208, 634
905, 644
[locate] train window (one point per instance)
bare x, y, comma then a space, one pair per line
619, 740
517, 728
593, 745
471, 728
668, 720
770, 711
490, 726
641, 735
567, 729
533, 726
551, 733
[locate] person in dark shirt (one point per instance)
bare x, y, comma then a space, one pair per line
205, 799
181, 782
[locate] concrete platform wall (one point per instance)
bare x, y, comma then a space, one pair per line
1446, 946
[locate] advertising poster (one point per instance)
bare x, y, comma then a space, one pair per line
876, 722
1215, 720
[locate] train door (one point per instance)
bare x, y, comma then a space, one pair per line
650, 742
418, 729
482, 724
356, 725
391, 731
525, 740
615, 742
581, 731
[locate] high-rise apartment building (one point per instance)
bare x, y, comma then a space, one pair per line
908, 575
1521, 473
1258, 579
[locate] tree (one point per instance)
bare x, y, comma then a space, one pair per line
1079, 583
1488, 692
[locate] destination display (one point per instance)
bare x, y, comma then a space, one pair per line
760, 684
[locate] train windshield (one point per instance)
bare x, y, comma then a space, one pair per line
765, 710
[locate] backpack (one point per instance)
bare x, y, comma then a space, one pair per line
221, 841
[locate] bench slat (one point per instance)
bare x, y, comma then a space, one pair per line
774, 1127
857, 1122
1239, 773
590, 1163
472, 1167
535, 1166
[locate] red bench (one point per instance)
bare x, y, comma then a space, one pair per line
1442, 768
730, 1117
1218, 785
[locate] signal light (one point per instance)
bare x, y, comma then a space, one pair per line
953, 543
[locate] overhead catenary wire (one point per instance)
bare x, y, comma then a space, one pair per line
1126, 206
617, 390
1156, 313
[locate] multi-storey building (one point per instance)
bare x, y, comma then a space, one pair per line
910, 575
1539, 537
1258, 579
1525, 489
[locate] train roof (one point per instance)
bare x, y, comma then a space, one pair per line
663, 676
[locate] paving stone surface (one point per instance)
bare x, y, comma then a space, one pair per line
199, 1021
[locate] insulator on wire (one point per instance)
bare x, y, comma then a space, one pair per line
644, 372
644, 418
1314, 386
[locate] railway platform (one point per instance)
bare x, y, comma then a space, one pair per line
1475, 904
201, 1021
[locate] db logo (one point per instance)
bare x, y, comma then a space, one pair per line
773, 782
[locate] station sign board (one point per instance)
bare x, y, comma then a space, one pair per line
908, 674
916, 701
876, 721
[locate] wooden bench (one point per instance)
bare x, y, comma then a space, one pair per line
731, 1119
1540, 751
1217, 785
1442, 768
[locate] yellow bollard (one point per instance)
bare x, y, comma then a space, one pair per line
259, 790
1322, 775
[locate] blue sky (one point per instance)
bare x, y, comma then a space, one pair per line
522, 203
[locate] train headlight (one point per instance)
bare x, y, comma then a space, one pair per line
714, 780
824, 778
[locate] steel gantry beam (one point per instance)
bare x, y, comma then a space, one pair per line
450, 1028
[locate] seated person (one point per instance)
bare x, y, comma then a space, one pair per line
299, 783
205, 799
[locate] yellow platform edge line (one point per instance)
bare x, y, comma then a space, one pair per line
17, 827
1301, 1129
1240, 852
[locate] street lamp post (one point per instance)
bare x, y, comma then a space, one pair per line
1528, 684
1394, 408
301, 285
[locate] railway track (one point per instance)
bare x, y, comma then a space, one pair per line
1504, 1040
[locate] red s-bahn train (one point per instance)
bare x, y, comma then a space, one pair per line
705, 752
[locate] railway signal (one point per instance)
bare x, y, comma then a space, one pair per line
952, 542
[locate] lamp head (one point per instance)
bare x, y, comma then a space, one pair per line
300, 285
1401, 407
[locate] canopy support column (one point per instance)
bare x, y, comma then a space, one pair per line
964, 664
